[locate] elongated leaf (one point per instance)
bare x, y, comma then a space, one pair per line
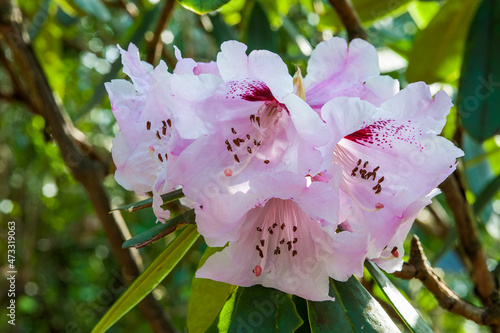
202, 6
437, 51
259, 33
255, 309
95, 8
479, 94
160, 230
354, 310
487, 194
167, 197
405, 310
149, 279
207, 299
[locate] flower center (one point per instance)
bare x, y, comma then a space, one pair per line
277, 231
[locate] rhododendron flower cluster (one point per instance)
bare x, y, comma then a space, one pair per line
298, 179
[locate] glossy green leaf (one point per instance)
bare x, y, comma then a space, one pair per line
259, 33
255, 309
479, 93
405, 310
95, 8
202, 6
160, 230
150, 278
206, 299
368, 11
354, 310
167, 197
437, 51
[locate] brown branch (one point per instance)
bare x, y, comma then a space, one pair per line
469, 238
155, 46
418, 267
349, 18
89, 172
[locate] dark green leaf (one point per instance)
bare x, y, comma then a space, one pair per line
256, 309
405, 310
149, 279
167, 197
479, 93
160, 230
95, 8
206, 299
487, 194
222, 32
354, 310
202, 6
437, 51
259, 33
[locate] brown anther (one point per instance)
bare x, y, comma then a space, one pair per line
248, 136
378, 190
270, 230
365, 164
282, 241
359, 162
166, 157
257, 248
164, 123
282, 226
375, 187
289, 245
353, 172
169, 122
294, 228
148, 125
259, 143
258, 121
259, 229
261, 254
368, 175
275, 225
233, 130
294, 253
158, 135
164, 130
236, 142
160, 158
295, 240
376, 169
236, 158
249, 150
381, 179
266, 162
262, 242
252, 117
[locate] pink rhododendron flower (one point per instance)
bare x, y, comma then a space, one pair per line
335, 69
286, 238
251, 119
392, 159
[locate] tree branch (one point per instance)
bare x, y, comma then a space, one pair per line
88, 171
418, 267
349, 18
469, 237
155, 47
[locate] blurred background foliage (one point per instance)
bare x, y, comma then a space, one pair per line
67, 276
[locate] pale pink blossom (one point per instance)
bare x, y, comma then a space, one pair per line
281, 234
392, 160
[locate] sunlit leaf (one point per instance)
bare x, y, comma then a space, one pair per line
149, 279
354, 310
437, 51
202, 6
160, 230
257, 309
206, 299
405, 310
479, 93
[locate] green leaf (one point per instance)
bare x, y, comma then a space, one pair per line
259, 33
479, 93
160, 230
437, 51
95, 8
256, 309
405, 310
149, 279
206, 299
202, 6
486, 195
167, 197
354, 310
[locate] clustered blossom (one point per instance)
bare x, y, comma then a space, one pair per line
300, 180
